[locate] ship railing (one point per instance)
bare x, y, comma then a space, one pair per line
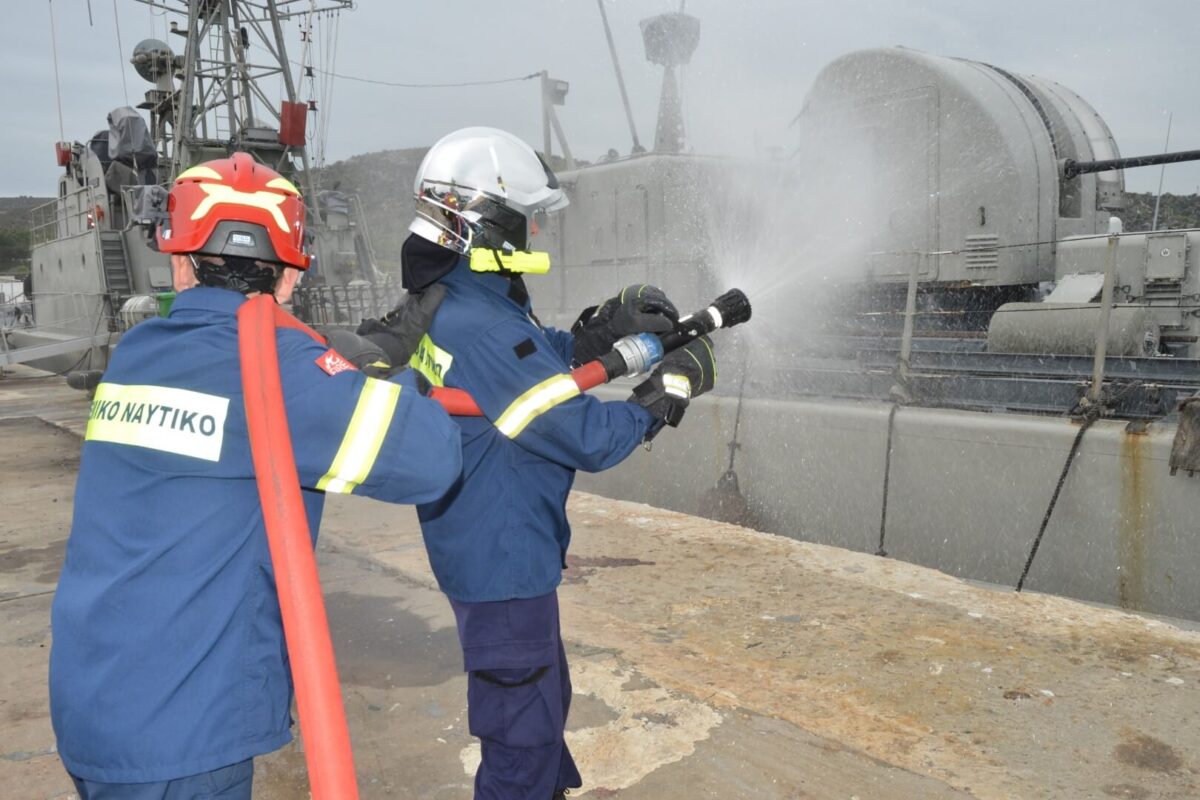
77, 313
345, 305
66, 216
51, 324
361, 223
16, 312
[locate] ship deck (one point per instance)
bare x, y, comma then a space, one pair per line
709, 661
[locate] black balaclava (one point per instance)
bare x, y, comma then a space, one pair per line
242, 275
422, 262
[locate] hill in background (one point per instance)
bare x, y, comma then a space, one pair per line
15, 213
1176, 211
383, 182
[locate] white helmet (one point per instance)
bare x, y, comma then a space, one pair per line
479, 188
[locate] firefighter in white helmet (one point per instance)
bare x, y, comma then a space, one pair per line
498, 540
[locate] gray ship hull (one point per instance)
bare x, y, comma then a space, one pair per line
924, 200
966, 494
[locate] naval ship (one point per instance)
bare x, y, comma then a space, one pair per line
94, 271
958, 358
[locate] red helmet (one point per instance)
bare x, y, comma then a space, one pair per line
235, 207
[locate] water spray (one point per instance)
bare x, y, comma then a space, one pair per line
632, 355
640, 352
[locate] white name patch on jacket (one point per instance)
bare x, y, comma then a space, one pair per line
161, 418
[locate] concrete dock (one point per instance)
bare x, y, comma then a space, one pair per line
709, 661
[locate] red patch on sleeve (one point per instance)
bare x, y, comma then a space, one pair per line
333, 363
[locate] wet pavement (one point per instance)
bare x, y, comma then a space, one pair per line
709, 661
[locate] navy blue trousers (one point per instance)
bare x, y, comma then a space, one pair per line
227, 783
518, 696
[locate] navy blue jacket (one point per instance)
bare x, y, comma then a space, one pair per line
168, 655
502, 532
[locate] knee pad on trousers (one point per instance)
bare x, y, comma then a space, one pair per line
517, 708
509, 683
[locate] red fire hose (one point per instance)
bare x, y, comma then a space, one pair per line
628, 356
460, 404
318, 694
310, 650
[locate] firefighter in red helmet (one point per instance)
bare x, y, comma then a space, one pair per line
168, 672
238, 224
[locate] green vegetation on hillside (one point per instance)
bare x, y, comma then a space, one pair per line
14, 232
14, 251
1176, 211
383, 182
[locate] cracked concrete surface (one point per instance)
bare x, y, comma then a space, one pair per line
708, 660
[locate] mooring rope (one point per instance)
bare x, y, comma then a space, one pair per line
887, 474
1090, 416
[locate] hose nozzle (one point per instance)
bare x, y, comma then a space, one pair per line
733, 308
637, 353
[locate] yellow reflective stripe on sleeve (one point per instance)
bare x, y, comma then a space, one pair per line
431, 361
538, 400
162, 418
360, 446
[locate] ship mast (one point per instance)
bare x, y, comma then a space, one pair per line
232, 49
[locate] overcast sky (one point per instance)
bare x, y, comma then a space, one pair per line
1134, 62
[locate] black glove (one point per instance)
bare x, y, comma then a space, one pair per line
685, 373
359, 351
367, 356
639, 308
400, 330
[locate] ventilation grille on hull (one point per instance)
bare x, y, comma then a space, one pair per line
980, 251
